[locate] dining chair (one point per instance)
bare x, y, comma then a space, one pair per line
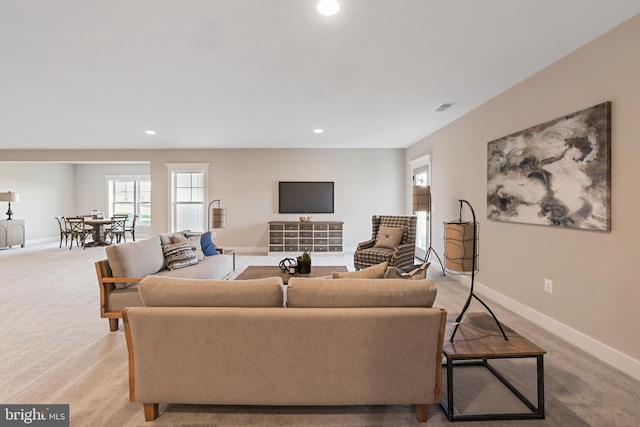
65, 232
78, 231
116, 229
132, 228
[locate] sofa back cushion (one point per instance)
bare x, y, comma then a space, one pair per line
162, 291
136, 259
353, 293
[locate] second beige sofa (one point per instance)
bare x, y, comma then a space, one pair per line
339, 342
129, 263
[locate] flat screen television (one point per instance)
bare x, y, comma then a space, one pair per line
305, 197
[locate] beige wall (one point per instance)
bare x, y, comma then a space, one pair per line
46, 191
366, 183
595, 274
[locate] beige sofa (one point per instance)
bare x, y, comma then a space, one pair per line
338, 342
128, 263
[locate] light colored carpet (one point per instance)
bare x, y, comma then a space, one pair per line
54, 348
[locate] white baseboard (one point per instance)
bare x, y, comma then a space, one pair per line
42, 240
607, 354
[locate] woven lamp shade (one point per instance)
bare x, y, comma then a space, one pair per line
421, 198
219, 218
458, 246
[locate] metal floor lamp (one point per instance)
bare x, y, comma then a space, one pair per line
458, 246
422, 203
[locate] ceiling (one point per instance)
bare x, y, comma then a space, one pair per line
266, 73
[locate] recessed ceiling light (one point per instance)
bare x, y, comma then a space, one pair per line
318, 131
150, 132
328, 7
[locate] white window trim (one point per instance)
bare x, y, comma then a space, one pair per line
186, 167
126, 178
414, 165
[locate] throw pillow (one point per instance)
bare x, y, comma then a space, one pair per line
208, 247
415, 274
389, 237
165, 239
179, 255
177, 238
205, 244
373, 272
194, 241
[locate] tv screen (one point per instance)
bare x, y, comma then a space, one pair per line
305, 197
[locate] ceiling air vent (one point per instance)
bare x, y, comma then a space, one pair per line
444, 106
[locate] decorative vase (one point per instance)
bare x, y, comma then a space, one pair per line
304, 267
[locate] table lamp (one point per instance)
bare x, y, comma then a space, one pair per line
9, 197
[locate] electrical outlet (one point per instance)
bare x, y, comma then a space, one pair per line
214, 235
548, 285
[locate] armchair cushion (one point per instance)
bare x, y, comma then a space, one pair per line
373, 272
389, 237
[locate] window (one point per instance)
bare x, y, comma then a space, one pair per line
188, 196
131, 196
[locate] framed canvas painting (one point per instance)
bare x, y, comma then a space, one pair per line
557, 173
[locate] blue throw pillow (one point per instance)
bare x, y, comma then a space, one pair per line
208, 247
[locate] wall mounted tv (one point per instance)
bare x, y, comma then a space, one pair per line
305, 197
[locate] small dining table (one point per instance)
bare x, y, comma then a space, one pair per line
98, 231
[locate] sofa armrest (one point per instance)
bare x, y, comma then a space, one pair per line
107, 284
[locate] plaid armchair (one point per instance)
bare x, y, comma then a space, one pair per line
403, 255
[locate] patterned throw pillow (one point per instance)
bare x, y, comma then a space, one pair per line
179, 255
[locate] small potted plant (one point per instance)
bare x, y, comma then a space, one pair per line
304, 263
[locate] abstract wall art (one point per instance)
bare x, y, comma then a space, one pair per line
557, 173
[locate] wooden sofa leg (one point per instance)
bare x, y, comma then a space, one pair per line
422, 413
113, 324
150, 411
